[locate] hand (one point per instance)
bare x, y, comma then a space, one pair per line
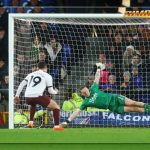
64, 124
56, 90
16, 99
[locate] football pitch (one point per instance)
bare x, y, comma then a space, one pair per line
76, 135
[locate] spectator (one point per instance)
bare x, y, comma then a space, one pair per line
20, 117
16, 70
3, 18
22, 40
142, 67
3, 43
23, 67
72, 102
32, 3
126, 79
111, 68
116, 49
145, 54
3, 68
143, 33
37, 46
16, 75
42, 56
129, 39
136, 79
4, 86
54, 50
127, 57
125, 85
20, 59
67, 58
36, 10
118, 39
4, 83
111, 86
3, 104
15, 3
33, 67
20, 10
44, 32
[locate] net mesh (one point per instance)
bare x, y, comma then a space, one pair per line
73, 49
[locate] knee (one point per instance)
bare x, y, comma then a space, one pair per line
53, 106
129, 102
57, 107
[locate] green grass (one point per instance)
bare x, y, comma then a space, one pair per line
76, 135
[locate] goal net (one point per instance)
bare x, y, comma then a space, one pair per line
74, 46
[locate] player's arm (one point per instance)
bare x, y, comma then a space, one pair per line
49, 81
51, 90
20, 88
72, 116
97, 76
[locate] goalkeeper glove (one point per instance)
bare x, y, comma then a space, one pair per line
65, 123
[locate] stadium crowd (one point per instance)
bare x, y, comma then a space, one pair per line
126, 70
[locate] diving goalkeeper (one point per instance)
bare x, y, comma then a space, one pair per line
114, 102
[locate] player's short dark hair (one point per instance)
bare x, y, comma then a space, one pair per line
83, 86
42, 65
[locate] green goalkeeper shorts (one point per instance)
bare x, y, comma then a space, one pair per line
117, 104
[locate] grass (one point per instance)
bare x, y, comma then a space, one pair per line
76, 135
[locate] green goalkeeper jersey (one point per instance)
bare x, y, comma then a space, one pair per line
97, 98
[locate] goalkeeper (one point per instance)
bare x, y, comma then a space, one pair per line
114, 102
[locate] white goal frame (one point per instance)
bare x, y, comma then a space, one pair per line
11, 46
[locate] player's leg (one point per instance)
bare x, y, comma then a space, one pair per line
133, 109
130, 102
125, 104
32, 111
56, 111
56, 114
136, 106
45, 101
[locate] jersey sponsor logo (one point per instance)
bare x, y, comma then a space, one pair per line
91, 100
138, 14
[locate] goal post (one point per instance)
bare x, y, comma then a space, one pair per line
11, 74
81, 38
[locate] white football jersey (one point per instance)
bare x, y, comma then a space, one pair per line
37, 82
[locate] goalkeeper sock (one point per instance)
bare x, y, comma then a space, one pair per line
147, 108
